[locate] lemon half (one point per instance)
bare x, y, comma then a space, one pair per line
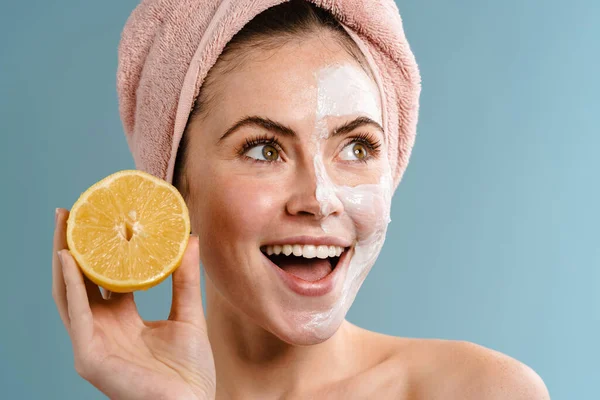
129, 231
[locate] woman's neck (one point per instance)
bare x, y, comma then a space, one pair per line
253, 363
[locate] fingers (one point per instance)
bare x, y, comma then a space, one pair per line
186, 305
78, 306
58, 282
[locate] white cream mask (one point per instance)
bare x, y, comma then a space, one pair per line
345, 90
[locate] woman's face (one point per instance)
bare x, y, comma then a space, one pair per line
304, 175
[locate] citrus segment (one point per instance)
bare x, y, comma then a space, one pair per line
128, 231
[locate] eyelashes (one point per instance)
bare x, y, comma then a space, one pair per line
251, 144
368, 140
256, 141
372, 144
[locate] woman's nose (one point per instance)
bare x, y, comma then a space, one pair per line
303, 198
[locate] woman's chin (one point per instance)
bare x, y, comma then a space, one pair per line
308, 329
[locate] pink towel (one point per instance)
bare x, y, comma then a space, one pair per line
168, 46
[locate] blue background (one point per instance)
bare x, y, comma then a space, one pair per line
494, 236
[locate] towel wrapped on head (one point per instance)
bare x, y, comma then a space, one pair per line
168, 46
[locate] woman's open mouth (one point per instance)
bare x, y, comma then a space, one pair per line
308, 262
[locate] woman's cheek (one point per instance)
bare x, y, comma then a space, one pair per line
368, 206
244, 206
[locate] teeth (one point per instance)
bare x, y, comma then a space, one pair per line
306, 251
309, 251
287, 249
332, 251
297, 250
323, 252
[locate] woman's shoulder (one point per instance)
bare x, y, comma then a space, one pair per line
451, 369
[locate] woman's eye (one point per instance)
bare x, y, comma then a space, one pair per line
354, 151
263, 152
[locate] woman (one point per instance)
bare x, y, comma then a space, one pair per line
288, 161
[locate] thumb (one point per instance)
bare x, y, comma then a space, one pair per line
186, 305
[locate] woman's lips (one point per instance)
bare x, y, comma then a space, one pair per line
312, 288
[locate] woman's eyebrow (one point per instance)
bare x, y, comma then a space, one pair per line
260, 122
284, 130
355, 123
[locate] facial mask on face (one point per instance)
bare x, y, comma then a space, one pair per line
346, 90
341, 90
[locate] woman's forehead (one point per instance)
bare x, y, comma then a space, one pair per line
346, 90
308, 83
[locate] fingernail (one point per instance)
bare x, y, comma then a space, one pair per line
55, 216
60, 257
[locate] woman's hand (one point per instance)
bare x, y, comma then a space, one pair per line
122, 355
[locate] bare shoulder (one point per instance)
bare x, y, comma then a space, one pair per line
499, 376
447, 369
418, 369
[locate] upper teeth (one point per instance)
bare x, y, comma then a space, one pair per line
306, 251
